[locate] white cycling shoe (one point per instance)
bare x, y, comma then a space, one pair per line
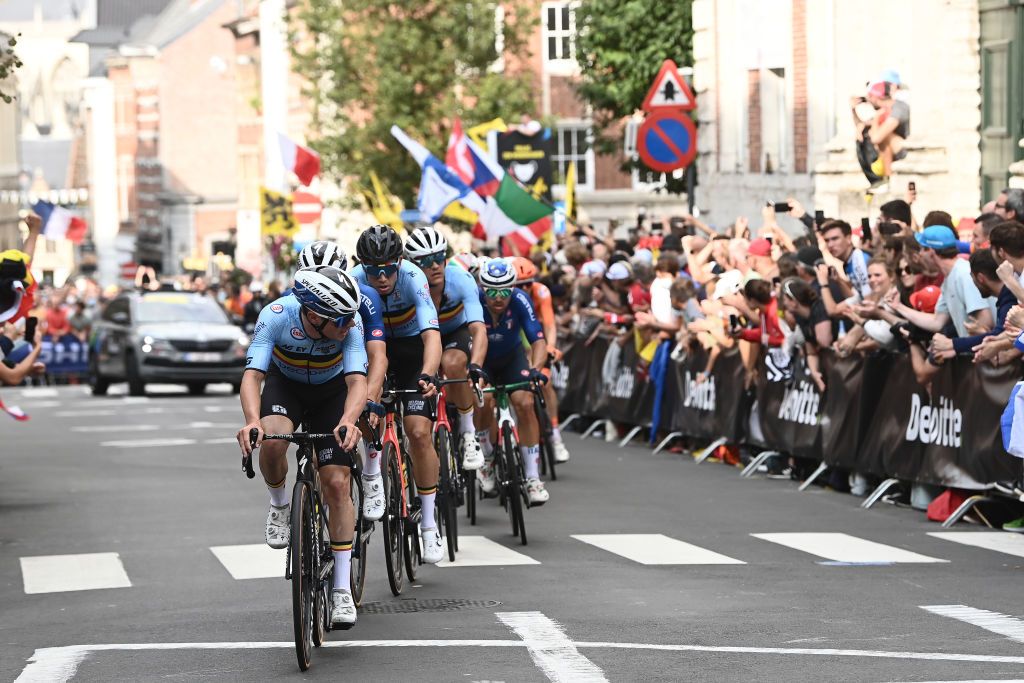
561, 452
373, 497
536, 492
433, 546
472, 454
343, 609
278, 529
485, 475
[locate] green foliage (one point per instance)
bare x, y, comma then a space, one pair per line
417, 64
9, 63
620, 46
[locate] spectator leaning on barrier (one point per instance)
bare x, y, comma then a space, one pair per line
807, 312
983, 270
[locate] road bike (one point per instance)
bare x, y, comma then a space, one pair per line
310, 561
547, 450
454, 485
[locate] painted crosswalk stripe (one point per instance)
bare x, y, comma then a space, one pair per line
480, 551
999, 541
62, 573
39, 392
222, 439
655, 549
116, 428
256, 561
550, 648
996, 622
844, 548
147, 443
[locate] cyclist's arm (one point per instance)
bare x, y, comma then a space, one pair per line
539, 353
528, 322
377, 354
547, 313
257, 362
478, 333
250, 395
431, 351
15, 375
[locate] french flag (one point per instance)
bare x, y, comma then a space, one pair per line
59, 223
302, 161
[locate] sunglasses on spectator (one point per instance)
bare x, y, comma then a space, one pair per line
431, 260
381, 270
1000, 206
498, 293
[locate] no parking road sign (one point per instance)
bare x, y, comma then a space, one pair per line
667, 139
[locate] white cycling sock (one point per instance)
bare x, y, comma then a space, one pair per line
278, 493
555, 434
372, 465
466, 425
427, 507
484, 437
342, 564
531, 461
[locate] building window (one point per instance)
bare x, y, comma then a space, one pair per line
775, 122
559, 32
572, 143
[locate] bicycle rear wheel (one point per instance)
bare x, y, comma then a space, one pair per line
514, 476
547, 453
302, 553
446, 491
471, 497
393, 522
321, 589
357, 577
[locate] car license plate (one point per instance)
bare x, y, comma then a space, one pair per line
202, 357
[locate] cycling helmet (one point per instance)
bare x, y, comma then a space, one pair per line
327, 291
497, 274
378, 244
323, 253
525, 270
424, 242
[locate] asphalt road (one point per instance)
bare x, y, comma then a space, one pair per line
127, 524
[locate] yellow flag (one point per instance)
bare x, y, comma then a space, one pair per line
570, 191
478, 133
457, 211
387, 210
276, 215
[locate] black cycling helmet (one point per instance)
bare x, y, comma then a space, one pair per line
378, 244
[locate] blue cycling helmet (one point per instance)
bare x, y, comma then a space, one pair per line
497, 274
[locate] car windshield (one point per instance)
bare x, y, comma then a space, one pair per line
179, 308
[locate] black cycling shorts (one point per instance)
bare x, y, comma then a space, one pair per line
460, 340
405, 363
317, 407
510, 369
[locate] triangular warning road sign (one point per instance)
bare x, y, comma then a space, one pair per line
669, 90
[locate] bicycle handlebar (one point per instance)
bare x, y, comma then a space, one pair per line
294, 437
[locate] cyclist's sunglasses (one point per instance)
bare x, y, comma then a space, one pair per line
344, 320
382, 270
498, 293
432, 259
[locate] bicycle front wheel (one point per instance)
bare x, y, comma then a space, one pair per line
446, 491
547, 453
412, 530
393, 523
357, 577
514, 474
302, 551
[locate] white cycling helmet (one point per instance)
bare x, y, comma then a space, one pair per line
323, 253
424, 242
497, 273
327, 291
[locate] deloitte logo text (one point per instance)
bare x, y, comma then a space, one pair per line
700, 396
560, 375
619, 384
800, 404
934, 424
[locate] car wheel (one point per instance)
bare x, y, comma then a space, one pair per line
196, 388
136, 387
99, 383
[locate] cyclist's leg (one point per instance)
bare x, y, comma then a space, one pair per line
453, 363
551, 399
280, 410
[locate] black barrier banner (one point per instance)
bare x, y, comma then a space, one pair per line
789, 412
841, 416
694, 400
613, 398
981, 455
569, 377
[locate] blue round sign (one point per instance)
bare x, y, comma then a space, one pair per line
667, 141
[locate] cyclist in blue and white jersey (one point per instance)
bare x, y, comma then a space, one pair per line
414, 356
307, 348
463, 336
509, 313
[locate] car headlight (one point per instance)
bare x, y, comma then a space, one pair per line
156, 347
243, 340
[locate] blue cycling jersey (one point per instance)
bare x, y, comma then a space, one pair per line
408, 310
503, 335
371, 310
460, 301
279, 338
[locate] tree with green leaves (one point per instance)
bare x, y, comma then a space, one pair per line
9, 63
418, 64
620, 46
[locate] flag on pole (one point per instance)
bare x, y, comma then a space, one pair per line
302, 161
388, 209
570, 191
59, 223
457, 157
276, 215
439, 185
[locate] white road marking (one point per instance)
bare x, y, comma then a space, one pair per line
212, 425
996, 622
480, 551
999, 541
62, 573
51, 664
104, 412
550, 648
116, 428
655, 549
147, 443
845, 548
42, 404
256, 561
229, 439
39, 392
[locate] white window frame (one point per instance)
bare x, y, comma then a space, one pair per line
587, 157
559, 65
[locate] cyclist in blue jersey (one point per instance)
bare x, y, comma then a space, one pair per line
463, 336
324, 253
414, 356
308, 349
509, 313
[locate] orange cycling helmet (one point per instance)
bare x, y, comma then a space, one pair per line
525, 270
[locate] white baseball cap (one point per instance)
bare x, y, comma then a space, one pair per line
730, 282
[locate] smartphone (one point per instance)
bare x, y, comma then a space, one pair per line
657, 227
734, 321
30, 328
865, 226
912, 186
782, 207
770, 239
819, 217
